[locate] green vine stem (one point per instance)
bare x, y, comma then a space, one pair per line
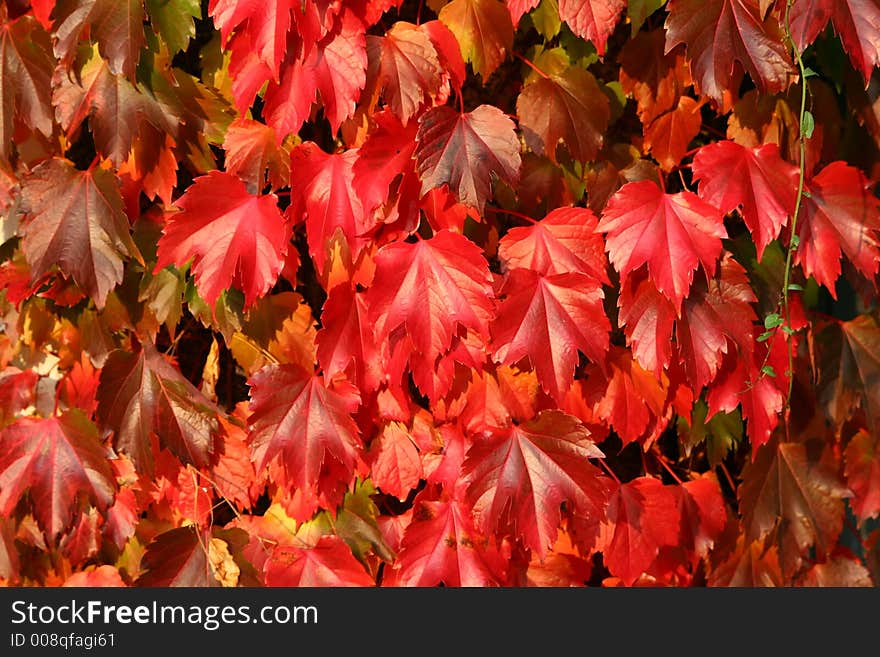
793, 242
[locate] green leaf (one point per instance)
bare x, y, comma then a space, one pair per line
226, 316
545, 18
721, 433
766, 335
808, 125
795, 241
616, 99
794, 287
773, 320
638, 11
768, 370
580, 52
173, 20
552, 61
725, 433
162, 294
356, 523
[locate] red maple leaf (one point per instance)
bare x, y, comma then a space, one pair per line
795, 489
17, 392
187, 557
714, 341
140, 393
716, 319
723, 34
839, 217
670, 134
443, 211
647, 318
315, 18
394, 461
656, 79
322, 185
863, 474
118, 28
265, 24
672, 233
518, 8
548, 319
484, 32
340, 66
123, 118
346, 341
848, 369
564, 241
757, 181
124, 514
288, 101
254, 155
564, 108
441, 545
385, 164
857, 23
703, 514
626, 397
309, 426
328, 563
405, 69
519, 478
234, 239
232, 472
431, 288
496, 396
465, 150
448, 52
76, 221
332, 66
78, 388
26, 65
56, 459
643, 516
741, 382
592, 19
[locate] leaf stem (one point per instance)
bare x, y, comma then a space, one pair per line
683, 182
608, 470
662, 461
512, 213
531, 65
727, 476
793, 239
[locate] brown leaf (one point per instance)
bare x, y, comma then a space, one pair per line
793, 487
142, 394
668, 136
75, 220
484, 32
25, 79
567, 107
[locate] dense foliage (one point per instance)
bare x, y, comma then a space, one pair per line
401, 293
